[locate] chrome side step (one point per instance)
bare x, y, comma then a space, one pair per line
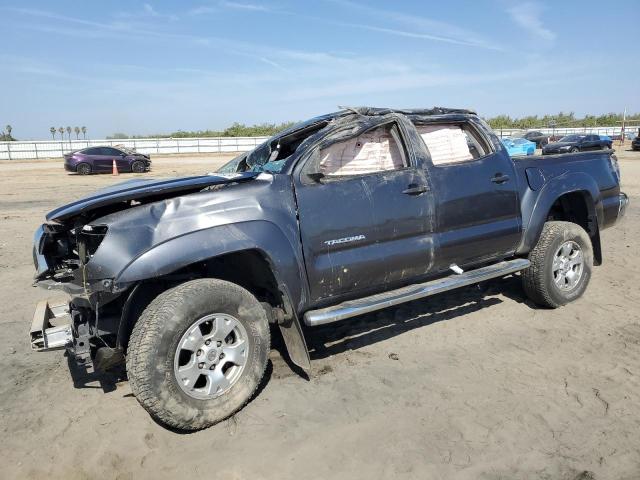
43, 335
364, 305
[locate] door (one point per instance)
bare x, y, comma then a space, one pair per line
591, 142
94, 158
365, 213
101, 162
476, 195
112, 154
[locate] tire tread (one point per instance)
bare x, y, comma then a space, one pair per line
535, 280
146, 332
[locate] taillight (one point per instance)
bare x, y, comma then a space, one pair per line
615, 167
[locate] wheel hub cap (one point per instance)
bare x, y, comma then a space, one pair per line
568, 265
210, 356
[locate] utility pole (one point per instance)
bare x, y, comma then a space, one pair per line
624, 118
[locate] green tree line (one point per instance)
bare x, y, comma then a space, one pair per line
235, 130
501, 121
560, 120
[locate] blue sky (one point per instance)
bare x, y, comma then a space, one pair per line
159, 66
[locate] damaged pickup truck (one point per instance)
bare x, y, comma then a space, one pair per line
335, 217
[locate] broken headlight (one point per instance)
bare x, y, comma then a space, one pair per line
89, 239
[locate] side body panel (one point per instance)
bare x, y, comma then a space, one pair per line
548, 177
158, 238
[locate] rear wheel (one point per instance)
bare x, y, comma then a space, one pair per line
561, 265
83, 169
198, 353
138, 166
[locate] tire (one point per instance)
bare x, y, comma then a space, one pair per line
574, 150
154, 356
138, 167
83, 169
550, 281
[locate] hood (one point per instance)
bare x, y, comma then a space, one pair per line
141, 188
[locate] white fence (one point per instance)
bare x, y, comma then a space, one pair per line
161, 146
561, 131
166, 146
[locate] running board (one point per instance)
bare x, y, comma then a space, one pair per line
364, 305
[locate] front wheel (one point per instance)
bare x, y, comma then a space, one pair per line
561, 265
198, 353
574, 150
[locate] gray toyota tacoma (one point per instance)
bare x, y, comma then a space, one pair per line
332, 218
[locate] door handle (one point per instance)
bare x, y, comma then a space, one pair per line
415, 189
500, 178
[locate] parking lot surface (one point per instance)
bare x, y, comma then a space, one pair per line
474, 383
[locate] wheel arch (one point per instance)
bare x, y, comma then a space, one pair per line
273, 275
570, 197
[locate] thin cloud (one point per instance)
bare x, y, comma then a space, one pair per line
245, 6
527, 15
147, 12
203, 10
428, 28
422, 36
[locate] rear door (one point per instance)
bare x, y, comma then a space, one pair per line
589, 142
99, 161
113, 154
365, 211
92, 156
476, 194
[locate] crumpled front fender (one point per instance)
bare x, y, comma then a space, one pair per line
201, 245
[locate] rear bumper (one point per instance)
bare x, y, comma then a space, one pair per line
44, 335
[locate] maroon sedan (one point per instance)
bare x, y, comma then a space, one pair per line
100, 160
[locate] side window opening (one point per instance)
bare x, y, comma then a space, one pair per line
452, 143
377, 150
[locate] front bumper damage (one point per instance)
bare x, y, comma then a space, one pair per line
87, 321
77, 327
51, 327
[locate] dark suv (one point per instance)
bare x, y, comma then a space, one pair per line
100, 160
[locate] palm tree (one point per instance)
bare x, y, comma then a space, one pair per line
53, 132
69, 132
61, 130
8, 128
77, 130
84, 132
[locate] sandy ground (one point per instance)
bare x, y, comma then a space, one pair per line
482, 383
